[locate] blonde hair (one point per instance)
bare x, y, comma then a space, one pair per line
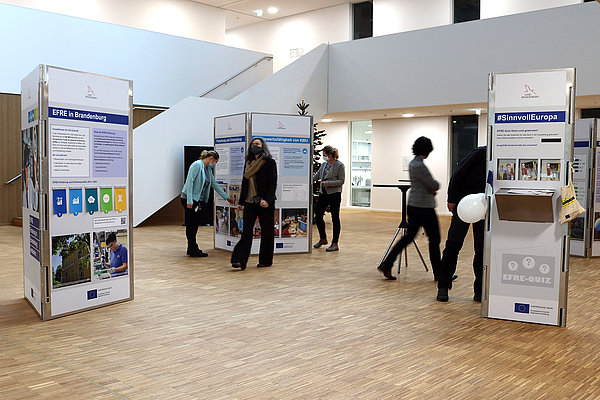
332, 151
209, 153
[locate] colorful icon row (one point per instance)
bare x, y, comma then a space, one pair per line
76, 199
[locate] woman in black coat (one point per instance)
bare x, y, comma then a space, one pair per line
257, 199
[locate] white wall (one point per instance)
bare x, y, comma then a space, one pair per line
303, 31
183, 18
393, 16
190, 122
337, 135
392, 142
421, 68
495, 8
164, 68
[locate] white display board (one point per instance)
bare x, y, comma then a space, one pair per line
581, 231
529, 153
230, 143
30, 180
289, 138
85, 183
595, 196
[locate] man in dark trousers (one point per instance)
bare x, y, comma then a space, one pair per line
469, 178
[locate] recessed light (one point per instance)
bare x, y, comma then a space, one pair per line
408, 115
326, 120
272, 10
259, 13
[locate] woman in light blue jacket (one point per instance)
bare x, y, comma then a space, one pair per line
331, 176
195, 194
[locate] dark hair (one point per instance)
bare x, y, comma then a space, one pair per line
111, 237
331, 151
265, 149
209, 153
422, 146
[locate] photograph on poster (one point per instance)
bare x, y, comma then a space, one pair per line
71, 260
577, 228
236, 222
294, 222
597, 226
222, 220
506, 169
276, 224
257, 228
550, 170
528, 170
30, 171
110, 259
234, 192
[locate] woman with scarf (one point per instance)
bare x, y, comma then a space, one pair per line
257, 199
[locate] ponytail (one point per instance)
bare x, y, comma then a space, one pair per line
332, 151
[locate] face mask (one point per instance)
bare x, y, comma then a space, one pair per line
211, 165
255, 149
325, 159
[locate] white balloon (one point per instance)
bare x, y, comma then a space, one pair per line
472, 208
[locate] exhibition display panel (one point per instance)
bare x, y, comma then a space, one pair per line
76, 142
584, 232
289, 138
530, 149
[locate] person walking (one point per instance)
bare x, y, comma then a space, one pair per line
195, 194
420, 210
331, 175
257, 199
469, 178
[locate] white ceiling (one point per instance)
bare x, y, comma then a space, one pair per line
241, 12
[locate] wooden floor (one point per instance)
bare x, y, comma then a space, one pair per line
313, 326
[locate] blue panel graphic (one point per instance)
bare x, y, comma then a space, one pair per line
59, 201
75, 201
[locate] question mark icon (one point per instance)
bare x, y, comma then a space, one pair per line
529, 262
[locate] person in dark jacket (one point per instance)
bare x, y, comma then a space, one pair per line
420, 210
257, 199
469, 178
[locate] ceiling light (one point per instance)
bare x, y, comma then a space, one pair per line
326, 120
408, 115
272, 10
259, 13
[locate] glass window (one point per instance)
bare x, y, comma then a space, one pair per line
360, 175
464, 137
590, 113
466, 10
362, 19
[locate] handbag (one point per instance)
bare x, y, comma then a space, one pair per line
571, 208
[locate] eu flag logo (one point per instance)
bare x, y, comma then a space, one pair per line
92, 294
522, 308
279, 245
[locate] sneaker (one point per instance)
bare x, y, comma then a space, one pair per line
333, 247
320, 243
477, 297
442, 294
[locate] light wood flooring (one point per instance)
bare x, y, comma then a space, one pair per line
313, 326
